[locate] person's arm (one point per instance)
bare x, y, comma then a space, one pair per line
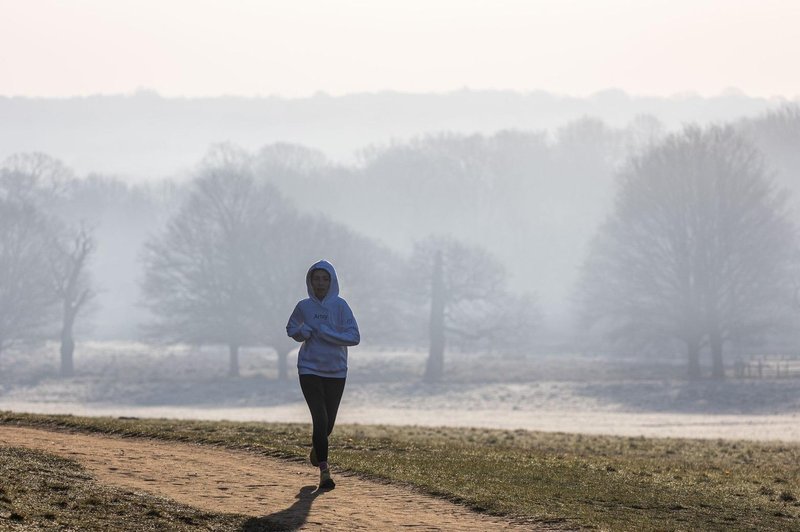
346, 334
296, 328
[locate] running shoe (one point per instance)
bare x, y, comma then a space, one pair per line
325, 480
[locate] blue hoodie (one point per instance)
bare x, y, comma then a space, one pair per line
327, 328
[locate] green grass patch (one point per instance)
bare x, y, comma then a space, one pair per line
577, 481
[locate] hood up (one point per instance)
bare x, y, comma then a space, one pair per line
333, 291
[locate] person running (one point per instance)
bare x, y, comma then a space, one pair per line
326, 326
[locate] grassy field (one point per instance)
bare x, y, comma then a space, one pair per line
561, 479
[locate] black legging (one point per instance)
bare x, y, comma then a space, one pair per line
323, 395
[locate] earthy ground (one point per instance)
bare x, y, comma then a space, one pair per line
227, 481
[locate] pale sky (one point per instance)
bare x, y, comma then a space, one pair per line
294, 48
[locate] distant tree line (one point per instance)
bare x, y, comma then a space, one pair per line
232, 260
698, 251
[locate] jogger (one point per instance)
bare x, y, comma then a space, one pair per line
326, 326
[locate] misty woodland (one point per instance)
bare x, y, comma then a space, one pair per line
673, 244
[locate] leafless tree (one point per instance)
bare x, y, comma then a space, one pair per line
44, 185
199, 278
230, 265
699, 247
465, 288
26, 298
69, 254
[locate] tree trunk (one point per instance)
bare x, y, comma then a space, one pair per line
67, 342
233, 366
435, 367
72, 297
693, 350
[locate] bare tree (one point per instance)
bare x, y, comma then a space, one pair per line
199, 278
47, 185
26, 298
230, 265
465, 287
277, 265
699, 247
69, 255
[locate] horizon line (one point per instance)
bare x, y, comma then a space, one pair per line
146, 92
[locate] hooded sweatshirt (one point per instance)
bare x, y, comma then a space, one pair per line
327, 328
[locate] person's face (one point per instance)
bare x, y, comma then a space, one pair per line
320, 283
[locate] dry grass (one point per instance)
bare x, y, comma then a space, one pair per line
579, 481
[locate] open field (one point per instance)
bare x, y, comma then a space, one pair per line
554, 393
573, 481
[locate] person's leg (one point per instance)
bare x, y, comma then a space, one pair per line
314, 393
334, 388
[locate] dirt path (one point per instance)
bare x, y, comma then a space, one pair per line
227, 481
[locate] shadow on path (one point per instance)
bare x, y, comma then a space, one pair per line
291, 518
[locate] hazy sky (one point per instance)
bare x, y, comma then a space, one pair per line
297, 47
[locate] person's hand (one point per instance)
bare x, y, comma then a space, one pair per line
306, 331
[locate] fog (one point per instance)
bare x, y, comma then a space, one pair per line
164, 137
606, 255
